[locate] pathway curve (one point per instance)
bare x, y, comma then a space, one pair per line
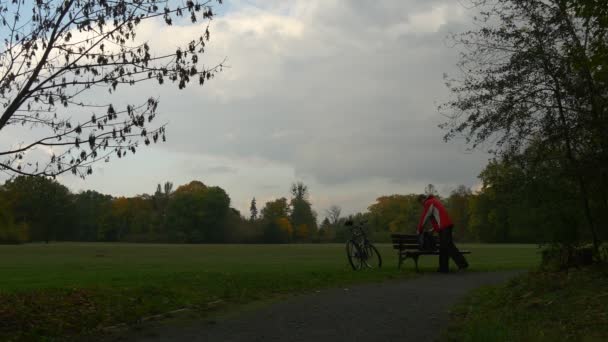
407, 310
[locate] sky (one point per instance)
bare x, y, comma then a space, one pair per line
339, 94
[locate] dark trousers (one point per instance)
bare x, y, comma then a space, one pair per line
448, 250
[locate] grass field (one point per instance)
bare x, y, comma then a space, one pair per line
70, 288
40, 266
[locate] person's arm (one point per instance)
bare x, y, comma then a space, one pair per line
426, 214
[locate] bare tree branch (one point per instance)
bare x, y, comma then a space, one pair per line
62, 50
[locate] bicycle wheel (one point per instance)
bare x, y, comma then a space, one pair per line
373, 260
353, 254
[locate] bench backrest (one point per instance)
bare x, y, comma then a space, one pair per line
406, 241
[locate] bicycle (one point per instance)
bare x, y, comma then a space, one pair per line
359, 250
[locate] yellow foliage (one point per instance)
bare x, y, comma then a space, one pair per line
302, 232
395, 213
285, 226
393, 226
11, 232
120, 206
14, 233
194, 186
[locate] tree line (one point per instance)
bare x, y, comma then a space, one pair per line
511, 206
42, 209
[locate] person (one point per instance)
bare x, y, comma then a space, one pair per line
436, 213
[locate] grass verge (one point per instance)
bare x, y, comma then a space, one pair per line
538, 306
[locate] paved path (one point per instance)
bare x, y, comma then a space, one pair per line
407, 310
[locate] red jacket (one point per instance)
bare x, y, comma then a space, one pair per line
436, 213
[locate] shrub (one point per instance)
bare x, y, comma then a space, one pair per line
12, 233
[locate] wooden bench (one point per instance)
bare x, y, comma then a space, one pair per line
407, 247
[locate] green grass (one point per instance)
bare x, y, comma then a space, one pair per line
539, 306
71, 288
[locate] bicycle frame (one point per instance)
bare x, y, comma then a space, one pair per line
361, 249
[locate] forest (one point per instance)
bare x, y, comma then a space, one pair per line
514, 204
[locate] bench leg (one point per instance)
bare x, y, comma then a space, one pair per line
400, 261
416, 262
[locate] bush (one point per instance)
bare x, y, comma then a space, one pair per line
562, 257
13, 234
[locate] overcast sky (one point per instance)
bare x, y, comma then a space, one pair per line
339, 94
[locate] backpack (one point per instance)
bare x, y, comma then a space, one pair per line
427, 242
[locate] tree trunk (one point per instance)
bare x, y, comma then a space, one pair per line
589, 216
575, 167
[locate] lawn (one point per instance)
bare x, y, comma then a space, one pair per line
71, 288
41, 266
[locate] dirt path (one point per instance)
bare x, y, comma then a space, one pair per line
408, 310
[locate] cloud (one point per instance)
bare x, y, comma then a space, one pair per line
342, 94
221, 169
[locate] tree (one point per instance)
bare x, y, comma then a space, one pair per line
42, 204
302, 233
431, 190
144, 222
327, 231
276, 209
395, 213
534, 76
198, 213
275, 216
333, 214
302, 214
168, 188
92, 211
286, 230
458, 208
193, 186
525, 202
10, 231
254, 210
161, 203
120, 220
216, 208
57, 52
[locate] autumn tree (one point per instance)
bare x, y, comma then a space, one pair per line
198, 213
274, 215
58, 59
144, 224
534, 84
395, 213
275, 209
458, 208
285, 230
119, 221
10, 231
